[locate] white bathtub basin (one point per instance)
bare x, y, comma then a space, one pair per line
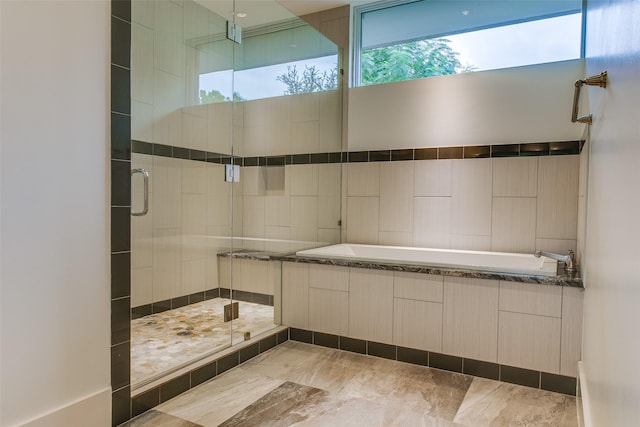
449, 258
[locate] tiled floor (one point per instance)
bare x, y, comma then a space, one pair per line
304, 385
163, 341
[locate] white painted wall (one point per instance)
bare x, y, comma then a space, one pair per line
611, 348
54, 316
516, 105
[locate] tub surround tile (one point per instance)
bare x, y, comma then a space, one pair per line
515, 177
497, 404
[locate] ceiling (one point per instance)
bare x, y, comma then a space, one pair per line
304, 7
260, 12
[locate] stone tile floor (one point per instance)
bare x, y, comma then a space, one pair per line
162, 341
297, 384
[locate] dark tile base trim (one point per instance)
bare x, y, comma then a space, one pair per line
253, 297
170, 304
151, 398
476, 368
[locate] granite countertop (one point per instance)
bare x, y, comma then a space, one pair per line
561, 279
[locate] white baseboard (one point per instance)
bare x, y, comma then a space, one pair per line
93, 410
583, 402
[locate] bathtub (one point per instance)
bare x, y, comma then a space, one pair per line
444, 258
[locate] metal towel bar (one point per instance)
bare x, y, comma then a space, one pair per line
599, 80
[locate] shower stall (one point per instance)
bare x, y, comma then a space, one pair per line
236, 151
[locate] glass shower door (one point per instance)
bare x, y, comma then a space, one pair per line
183, 138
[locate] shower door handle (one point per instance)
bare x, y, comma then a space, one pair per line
145, 183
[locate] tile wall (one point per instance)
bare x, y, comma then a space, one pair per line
511, 204
192, 209
120, 210
174, 246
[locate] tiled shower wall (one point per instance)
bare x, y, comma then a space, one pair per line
187, 225
174, 246
514, 204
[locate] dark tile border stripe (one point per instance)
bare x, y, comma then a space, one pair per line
120, 154
169, 304
476, 368
172, 388
435, 153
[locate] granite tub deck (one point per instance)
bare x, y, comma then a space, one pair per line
297, 384
561, 279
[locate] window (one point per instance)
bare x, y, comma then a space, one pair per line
400, 40
275, 59
290, 78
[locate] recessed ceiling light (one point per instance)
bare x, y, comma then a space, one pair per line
241, 14
466, 12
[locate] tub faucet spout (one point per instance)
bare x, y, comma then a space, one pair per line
569, 259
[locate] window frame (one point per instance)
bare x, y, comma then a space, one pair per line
358, 11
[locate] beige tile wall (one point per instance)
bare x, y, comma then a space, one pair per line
516, 324
174, 246
498, 204
290, 207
